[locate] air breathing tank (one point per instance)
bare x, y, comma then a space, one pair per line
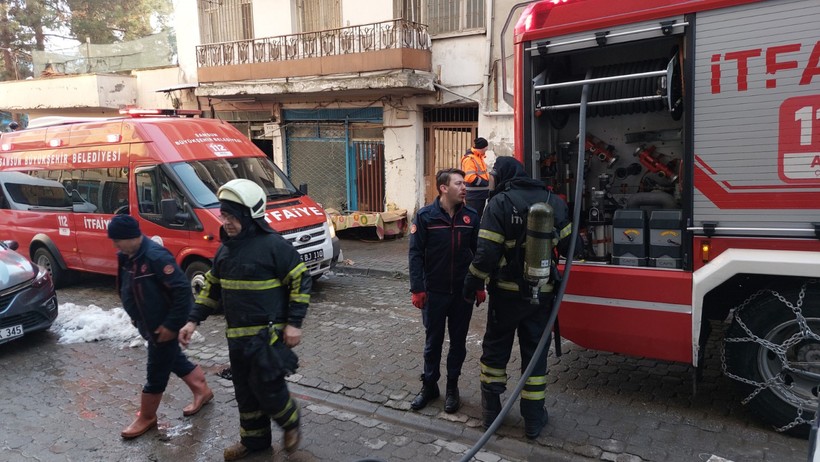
538, 247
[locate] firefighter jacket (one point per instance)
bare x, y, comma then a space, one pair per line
476, 174
441, 248
500, 254
257, 278
154, 291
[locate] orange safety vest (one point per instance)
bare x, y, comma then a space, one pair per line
475, 170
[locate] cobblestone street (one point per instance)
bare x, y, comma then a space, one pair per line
361, 357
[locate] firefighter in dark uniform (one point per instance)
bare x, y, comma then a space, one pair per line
499, 257
442, 244
264, 289
157, 297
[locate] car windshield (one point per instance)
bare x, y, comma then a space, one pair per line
204, 177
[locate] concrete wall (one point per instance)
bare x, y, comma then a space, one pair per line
92, 94
403, 157
356, 12
272, 18
186, 23
149, 81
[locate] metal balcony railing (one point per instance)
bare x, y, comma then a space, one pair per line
397, 33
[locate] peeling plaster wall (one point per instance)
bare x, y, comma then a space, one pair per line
403, 155
69, 93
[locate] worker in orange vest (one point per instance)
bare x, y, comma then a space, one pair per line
476, 175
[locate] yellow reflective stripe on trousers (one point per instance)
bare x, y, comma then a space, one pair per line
492, 375
284, 411
251, 415
491, 236
506, 285
248, 331
533, 395
537, 380
232, 284
254, 433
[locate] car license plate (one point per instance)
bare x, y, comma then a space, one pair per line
11, 332
313, 255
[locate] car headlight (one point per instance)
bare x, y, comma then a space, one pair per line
332, 229
42, 278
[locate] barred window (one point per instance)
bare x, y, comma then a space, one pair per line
316, 15
442, 16
225, 20
446, 16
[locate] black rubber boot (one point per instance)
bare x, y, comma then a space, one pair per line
452, 400
490, 407
535, 417
429, 391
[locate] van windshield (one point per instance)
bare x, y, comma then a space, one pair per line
203, 178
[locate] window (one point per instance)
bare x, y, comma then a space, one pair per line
407, 9
225, 20
316, 15
442, 16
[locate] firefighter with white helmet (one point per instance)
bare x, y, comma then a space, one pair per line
264, 289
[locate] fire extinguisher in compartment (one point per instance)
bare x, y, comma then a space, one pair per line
649, 159
604, 152
538, 250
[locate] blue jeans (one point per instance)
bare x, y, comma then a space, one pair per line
164, 358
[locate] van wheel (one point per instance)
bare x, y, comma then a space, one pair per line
772, 350
196, 274
42, 257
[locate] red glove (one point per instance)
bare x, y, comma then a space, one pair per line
419, 299
480, 297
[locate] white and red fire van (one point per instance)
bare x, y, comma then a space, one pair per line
698, 122
63, 179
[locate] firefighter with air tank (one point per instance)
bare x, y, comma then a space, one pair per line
520, 225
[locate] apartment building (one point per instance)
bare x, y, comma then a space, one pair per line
363, 100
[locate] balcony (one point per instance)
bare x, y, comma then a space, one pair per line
391, 45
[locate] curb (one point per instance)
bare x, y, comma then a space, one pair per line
372, 272
455, 432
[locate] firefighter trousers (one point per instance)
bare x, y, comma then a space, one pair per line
259, 402
445, 312
506, 316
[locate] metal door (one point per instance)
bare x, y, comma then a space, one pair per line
316, 155
369, 190
445, 144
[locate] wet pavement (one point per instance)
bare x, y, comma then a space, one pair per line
360, 359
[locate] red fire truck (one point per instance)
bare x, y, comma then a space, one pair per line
699, 125
63, 179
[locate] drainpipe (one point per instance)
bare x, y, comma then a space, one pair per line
486, 93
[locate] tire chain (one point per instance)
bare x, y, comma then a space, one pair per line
779, 350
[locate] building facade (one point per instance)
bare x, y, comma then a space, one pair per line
361, 100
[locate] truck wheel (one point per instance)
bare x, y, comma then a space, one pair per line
42, 257
772, 350
196, 274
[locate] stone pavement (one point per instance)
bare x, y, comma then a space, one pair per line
359, 363
386, 258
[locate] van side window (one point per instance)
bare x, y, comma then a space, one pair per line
105, 188
152, 187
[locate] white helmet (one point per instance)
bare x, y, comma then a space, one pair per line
244, 192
